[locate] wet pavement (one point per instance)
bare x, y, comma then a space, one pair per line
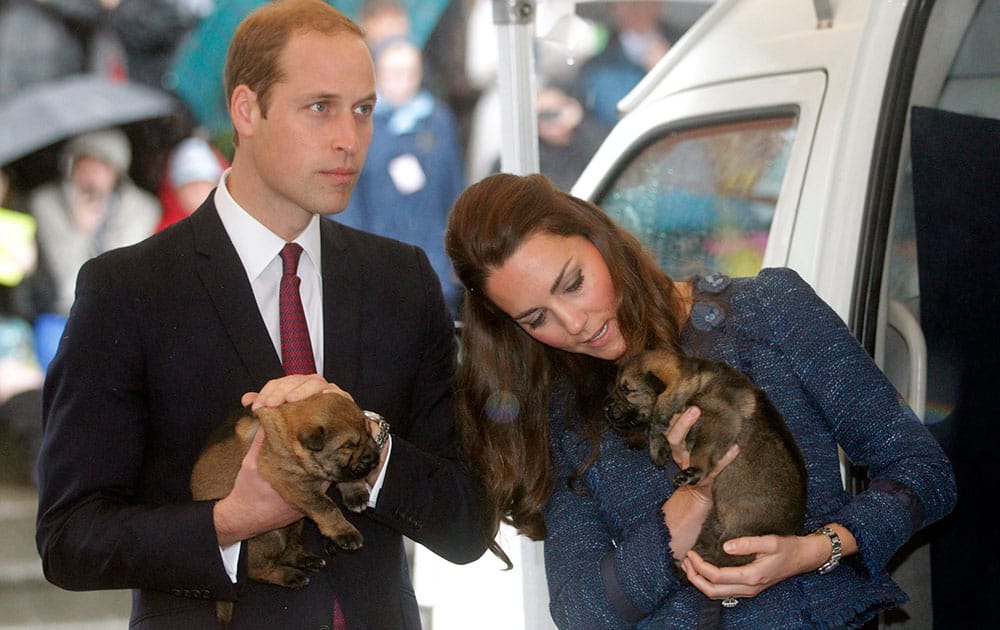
27, 600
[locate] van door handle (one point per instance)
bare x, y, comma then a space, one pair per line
909, 329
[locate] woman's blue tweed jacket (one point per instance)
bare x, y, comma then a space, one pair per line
610, 542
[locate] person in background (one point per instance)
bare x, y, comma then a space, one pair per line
92, 208
568, 135
639, 37
193, 170
414, 169
21, 379
149, 32
21, 376
558, 295
557, 59
382, 20
169, 337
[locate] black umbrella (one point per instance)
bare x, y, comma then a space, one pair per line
44, 114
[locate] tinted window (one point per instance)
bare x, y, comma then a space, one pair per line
702, 198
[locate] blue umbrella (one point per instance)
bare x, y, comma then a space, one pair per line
196, 75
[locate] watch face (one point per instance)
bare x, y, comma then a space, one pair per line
383, 434
383, 428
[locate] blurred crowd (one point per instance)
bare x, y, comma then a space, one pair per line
436, 130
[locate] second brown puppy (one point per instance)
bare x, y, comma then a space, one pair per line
763, 490
320, 439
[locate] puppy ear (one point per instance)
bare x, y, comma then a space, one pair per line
654, 383
313, 438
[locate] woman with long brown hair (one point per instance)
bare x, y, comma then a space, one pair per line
557, 295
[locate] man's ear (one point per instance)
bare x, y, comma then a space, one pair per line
244, 110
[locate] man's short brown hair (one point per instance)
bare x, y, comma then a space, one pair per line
255, 50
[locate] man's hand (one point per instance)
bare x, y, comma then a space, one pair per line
290, 389
252, 507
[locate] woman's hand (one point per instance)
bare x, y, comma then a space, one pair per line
685, 511
676, 435
778, 558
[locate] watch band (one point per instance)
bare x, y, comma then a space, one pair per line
835, 549
383, 428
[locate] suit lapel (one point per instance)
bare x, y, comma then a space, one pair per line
225, 280
343, 298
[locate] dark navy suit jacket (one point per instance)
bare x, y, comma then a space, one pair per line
164, 338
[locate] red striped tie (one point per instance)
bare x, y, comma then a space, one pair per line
296, 349
338, 617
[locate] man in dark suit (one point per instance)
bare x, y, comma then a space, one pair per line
167, 337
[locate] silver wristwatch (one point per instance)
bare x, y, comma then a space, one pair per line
835, 551
383, 428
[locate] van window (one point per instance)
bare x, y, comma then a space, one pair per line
701, 199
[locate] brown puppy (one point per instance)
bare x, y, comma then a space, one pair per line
321, 439
763, 490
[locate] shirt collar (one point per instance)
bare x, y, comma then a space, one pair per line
256, 245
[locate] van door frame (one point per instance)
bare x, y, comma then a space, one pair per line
801, 93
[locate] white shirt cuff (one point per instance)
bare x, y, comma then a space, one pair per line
374, 490
231, 559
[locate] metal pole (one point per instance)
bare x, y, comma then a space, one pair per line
514, 20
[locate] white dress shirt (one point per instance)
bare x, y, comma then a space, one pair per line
259, 249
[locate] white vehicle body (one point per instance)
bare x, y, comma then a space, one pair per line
829, 86
744, 58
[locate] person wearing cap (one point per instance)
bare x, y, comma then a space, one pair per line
91, 208
193, 170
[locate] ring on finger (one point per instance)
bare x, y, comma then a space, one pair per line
730, 602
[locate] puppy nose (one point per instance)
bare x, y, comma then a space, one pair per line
611, 411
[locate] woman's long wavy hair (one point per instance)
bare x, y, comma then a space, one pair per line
506, 379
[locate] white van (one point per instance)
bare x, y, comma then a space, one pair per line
778, 133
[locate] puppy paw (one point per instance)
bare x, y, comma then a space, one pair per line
660, 457
295, 579
688, 477
355, 495
280, 575
347, 541
309, 562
